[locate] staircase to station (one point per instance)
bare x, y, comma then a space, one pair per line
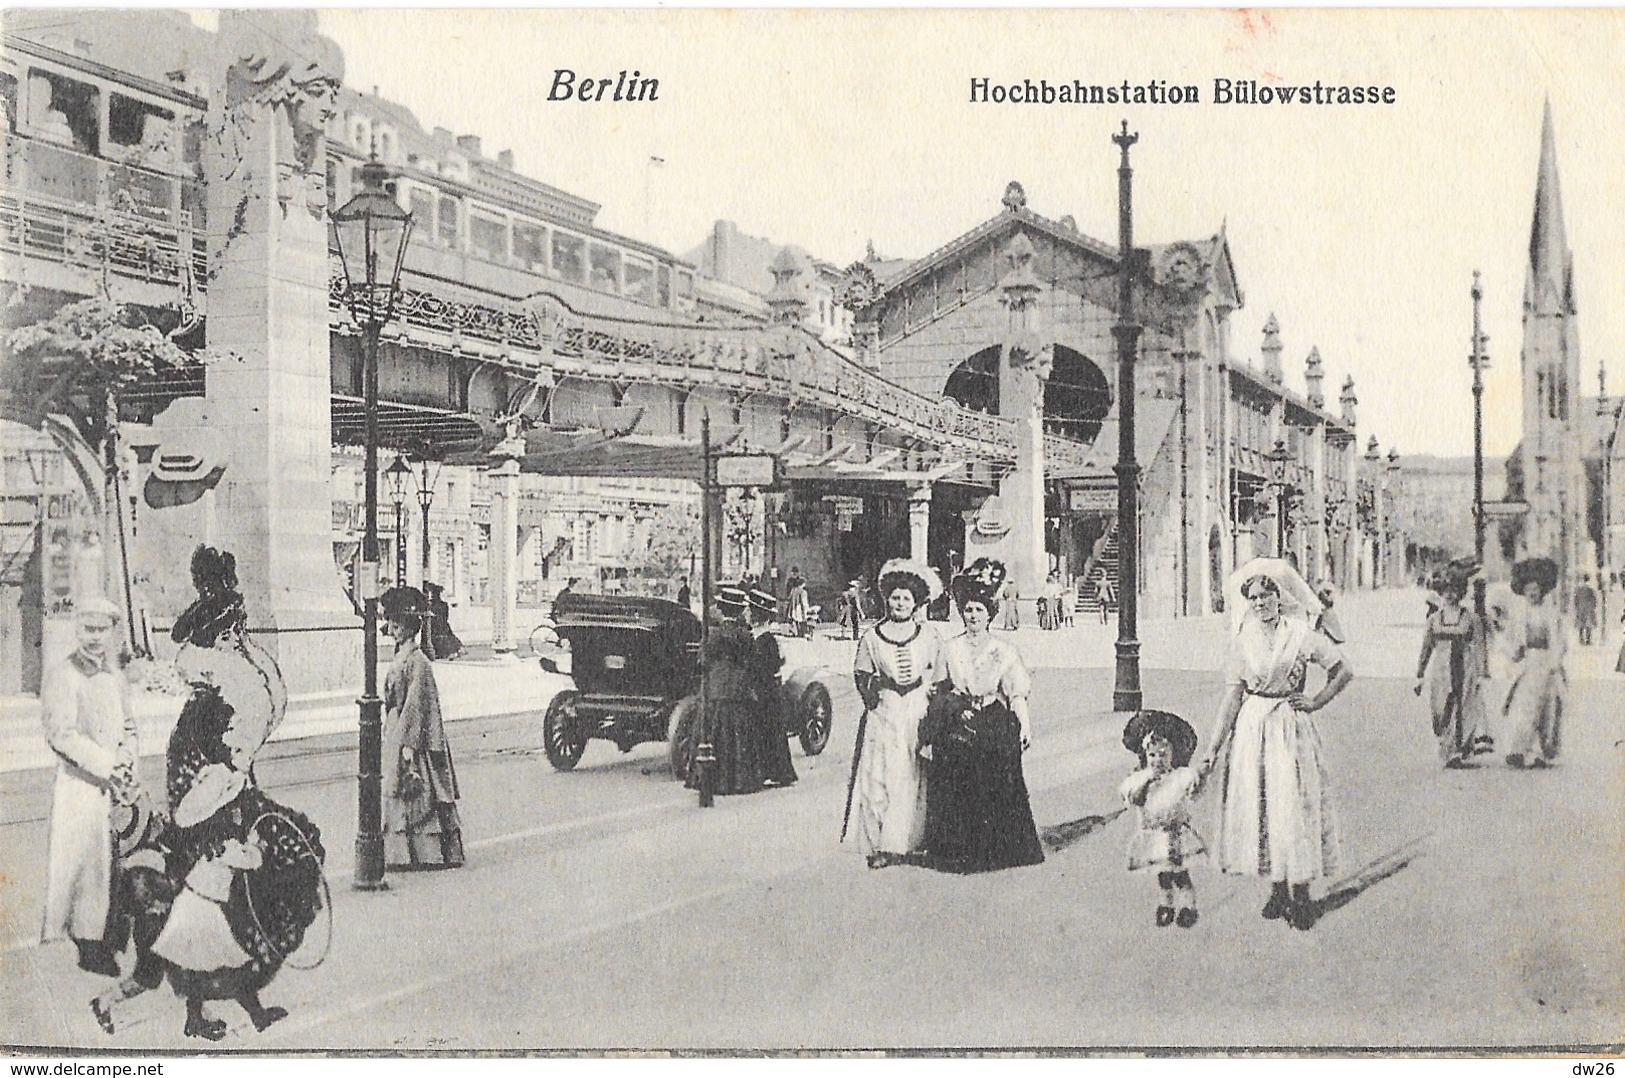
1089, 601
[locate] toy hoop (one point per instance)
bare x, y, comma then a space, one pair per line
326, 896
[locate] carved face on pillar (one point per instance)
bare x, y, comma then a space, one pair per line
1026, 352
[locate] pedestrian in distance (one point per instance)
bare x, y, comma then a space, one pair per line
1068, 600
1534, 706
1329, 624
84, 707
852, 609
1276, 820
898, 660
979, 817
1451, 668
1585, 610
1161, 790
442, 642
421, 825
1105, 593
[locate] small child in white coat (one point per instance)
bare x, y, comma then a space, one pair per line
1161, 789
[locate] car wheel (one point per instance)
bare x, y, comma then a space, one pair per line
680, 733
817, 716
562, 735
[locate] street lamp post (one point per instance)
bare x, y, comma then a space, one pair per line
1390, 484
1373, 460
398, 473
1126, 694
372, 232
1279, 458
1480, 363
425, 500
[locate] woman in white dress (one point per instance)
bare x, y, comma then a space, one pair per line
897, 663
1276, 817
1534, 706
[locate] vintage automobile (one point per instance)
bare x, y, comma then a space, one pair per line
635, 664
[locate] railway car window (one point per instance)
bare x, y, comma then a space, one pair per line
447, 219
530, 246
663, 285
64, 110
139, 133
422, 207
640, 281
8, 91
570, 257
606, 268
488, 238
685, 286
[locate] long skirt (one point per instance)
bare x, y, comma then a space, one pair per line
735, 733
1455, 701
891, 802
422, 827
1276, 820
1534, 707
978, 815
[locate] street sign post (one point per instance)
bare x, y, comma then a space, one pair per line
747, 470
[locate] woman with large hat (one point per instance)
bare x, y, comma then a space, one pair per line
1534, 706
1451, 670
978, 814
731, 723
1276, 818
421, 825
766, 661
897, 662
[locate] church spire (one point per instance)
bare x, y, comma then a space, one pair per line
1547, 288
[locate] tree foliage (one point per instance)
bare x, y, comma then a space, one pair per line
76, 362
674, 543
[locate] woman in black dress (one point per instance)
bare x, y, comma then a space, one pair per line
978, 815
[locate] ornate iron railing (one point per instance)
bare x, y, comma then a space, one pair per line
88, 238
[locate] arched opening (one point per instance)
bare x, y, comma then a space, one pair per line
1076, 398
975, 382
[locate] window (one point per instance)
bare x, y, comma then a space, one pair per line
663, 285
640, 281
446, 233
685, 286
488, 238
138, 132
606, 268
421, 203
530, 246
570, 257
64, 110
8, 92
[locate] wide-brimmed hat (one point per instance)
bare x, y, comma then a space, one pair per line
134, 825
731, 597
981, 579
97, 606
927, 576
1541, 570
215, 787
763, 601
401, 600
1166, 724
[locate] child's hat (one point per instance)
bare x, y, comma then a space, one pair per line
216, 786
1168, 725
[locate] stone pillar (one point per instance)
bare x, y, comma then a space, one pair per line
919, 524
267, 401
1022, 376
504, 586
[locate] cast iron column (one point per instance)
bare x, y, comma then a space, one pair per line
1126, 694
1479, 361
369, 837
